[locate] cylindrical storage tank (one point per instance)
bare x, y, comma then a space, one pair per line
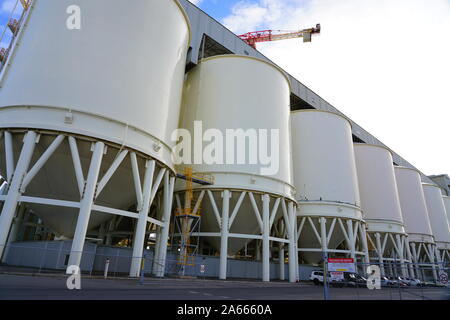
324, 173
447, 206
412, 202
437, 215
237, 99
378, 189
83, 81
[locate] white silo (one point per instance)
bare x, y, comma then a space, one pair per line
82, 103
329, 210
241, 103
438, 221
415, 218
381, 205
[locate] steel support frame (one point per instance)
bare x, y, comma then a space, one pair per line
354, 232
399, 244
20, 175
265, 218
424, 253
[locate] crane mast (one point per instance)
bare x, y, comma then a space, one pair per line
274, 35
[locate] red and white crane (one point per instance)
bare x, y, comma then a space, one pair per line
273, 35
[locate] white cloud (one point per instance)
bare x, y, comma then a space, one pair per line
384, 63
196, 2
7, 6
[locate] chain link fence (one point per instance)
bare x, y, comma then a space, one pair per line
388, 281
397, 281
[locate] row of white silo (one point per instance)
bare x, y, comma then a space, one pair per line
86, 121
91, 125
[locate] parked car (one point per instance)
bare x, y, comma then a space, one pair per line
352, 279
414, 282
398, 281
386, 282
317, 278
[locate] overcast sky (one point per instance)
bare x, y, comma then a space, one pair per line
384, 63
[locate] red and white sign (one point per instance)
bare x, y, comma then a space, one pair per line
341, 260
341, 265
337, 276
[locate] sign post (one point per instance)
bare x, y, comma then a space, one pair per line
326, 294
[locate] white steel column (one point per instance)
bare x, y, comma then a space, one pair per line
9, 152
281, 260
265, 241
281, 229
380, 253
13, 195
323, 234
352, 244
416, 260
168, 192
292, 243
86, 203
363, 233
139, 237
156, 255
401, 254
439, 260
410, 258
226, 195
430, 254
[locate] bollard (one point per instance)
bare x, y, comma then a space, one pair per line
106, 268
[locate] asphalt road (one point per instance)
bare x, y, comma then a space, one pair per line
16, 287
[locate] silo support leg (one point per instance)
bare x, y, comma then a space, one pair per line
291, 225
410, 258
155, 267
439, 260
13, 195
226, 195
86, 206
363, 234
352, 238
266, 242
401, 254
416, 259
281, 261
281, 229
139, 237
430, 253
169, 183
380, 252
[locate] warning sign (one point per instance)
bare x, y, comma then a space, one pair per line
337, 275
443, 277
341, 265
